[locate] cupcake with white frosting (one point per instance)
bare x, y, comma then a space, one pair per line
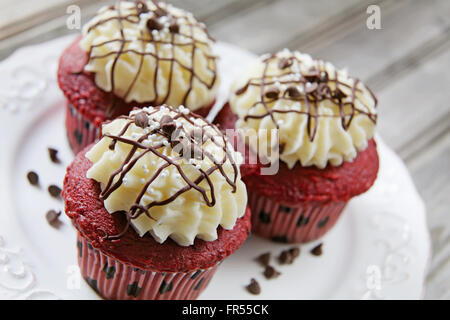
135, 54
158, 203
310, 127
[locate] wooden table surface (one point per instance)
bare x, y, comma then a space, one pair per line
406, 63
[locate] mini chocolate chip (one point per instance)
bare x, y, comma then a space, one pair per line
141, 7
285, 257
160, 12
141, 119
33, 178
272, 93
323, 76
312, 75
284, 63
317, 250
295, 252
167, 124
293, 92
54, 191
253, 287
153, 24
270, 272
53, 154
52, 217
339, 94
174, 27
311, 87
263, 259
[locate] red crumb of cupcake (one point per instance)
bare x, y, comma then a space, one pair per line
90, 217
80, 89
300, 184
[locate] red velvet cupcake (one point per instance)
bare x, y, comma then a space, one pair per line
306, 129
135, 54
158, 203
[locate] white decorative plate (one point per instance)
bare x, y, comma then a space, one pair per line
378, 249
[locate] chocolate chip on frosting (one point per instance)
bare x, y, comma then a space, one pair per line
168, 126
284, 63
293, 92
153, 24
174, 27
141, 7
141, 120
254, 287
272, 93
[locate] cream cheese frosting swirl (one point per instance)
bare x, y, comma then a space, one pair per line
151, 52
322, 115
174, 174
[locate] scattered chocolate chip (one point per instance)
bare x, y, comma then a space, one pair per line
293, 92
317, 250
153, 24
264, 259
285, 257
141, 7
141, 119
295, 252
284, 63
33, 178
54, 191
174, 27
52, 217
270, 272
53, 154
253, 287
272, 93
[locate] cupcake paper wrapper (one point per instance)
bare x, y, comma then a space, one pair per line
112, 279
80, 131
306, 222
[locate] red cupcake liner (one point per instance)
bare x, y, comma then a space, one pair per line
81, 132
292, 224
114, 280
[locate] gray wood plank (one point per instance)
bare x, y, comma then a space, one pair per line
412, 104
406, 27
269, 26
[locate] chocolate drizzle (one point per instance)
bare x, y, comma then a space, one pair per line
180, 140
179, 37
309, 88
